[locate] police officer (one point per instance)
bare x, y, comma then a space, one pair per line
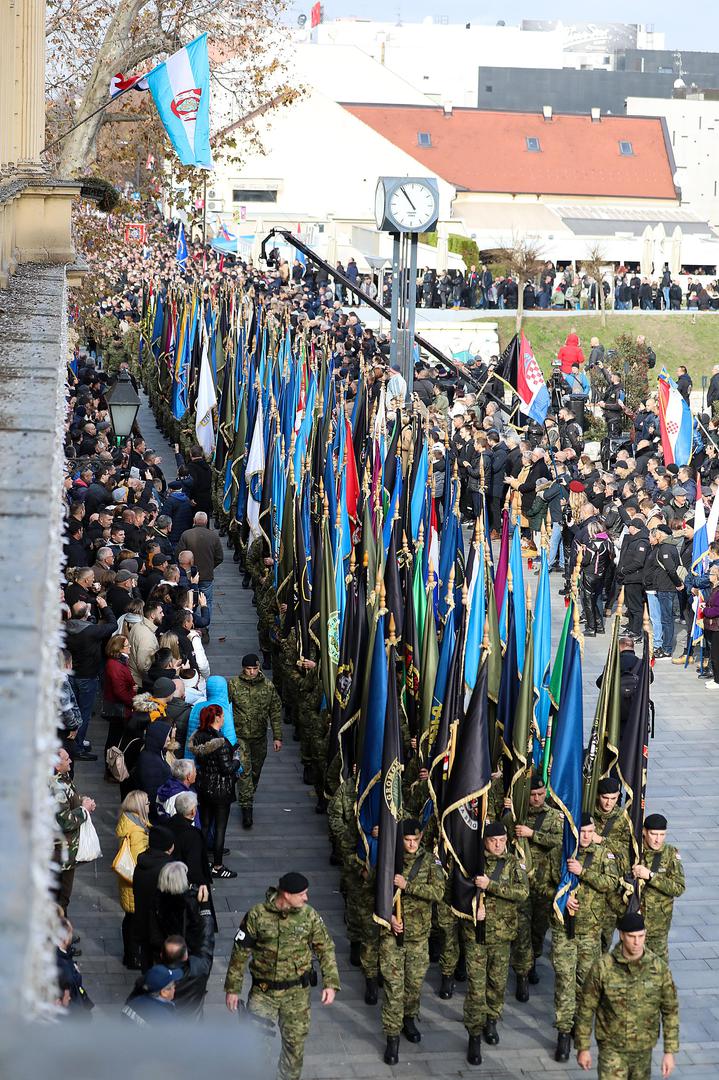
404, 948
279, 937
504, 885
628, 990
573, 953
661, 875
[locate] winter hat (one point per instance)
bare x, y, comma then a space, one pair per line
163, 688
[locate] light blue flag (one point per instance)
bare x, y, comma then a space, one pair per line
180, 88
181, 251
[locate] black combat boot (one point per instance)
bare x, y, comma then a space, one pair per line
564, 1043
474, 1050
533, 976
391, 1054
411, 1032
490, 1032
371, 992
247, 578
246, 817
355, 953
446, 987
522, 991
308, 775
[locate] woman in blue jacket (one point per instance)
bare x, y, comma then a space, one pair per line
216, 695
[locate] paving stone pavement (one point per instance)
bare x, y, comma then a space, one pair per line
346, 1039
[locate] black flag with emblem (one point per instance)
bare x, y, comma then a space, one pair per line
462, 819
390, 850
633, 761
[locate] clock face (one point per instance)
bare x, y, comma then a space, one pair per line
412, 206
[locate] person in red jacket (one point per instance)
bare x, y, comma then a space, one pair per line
570, 353
118, 690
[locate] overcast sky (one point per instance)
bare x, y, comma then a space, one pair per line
698, 31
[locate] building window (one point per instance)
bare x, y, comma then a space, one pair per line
424, 138
246, 195
625, 148
533, 144
488, 89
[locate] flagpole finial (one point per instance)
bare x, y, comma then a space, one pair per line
420, 538
529, 596
465, 593
325, 507
485, 635
382, 596
477, 528
620, 602
392, 630
449, 598
353, 560
431, 579
365, 559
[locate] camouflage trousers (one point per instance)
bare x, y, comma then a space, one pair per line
449, 931
354, 914
290, 1010
487, 970
658, 942
621, 1065
254, 753
571, 959
534, 915
608, 927
403, 969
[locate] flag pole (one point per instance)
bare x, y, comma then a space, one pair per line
74, 127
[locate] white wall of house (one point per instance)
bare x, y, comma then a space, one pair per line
693, 127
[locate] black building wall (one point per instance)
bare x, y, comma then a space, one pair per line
567, 89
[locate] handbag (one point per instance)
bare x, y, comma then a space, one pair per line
123, 864
88, 847
115, 761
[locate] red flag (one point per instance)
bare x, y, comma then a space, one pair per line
221, 266
120, 83
351, 481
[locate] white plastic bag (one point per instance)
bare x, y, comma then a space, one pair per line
89, 846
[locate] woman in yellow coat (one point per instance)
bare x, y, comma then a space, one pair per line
134, 823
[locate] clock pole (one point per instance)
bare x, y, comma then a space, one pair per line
394, 357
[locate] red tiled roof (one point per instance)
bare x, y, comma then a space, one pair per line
481, 150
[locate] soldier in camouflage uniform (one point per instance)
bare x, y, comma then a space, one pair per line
628, 991
342, 823
268, 614
404, 960
611, 827
572, 956
505, 886
279, 937
542, 831
255, 705
661, 874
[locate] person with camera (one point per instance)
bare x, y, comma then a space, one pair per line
613, 406
279, 938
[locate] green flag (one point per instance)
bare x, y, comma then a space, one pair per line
428, 671
555, 686
603, 748
329, 617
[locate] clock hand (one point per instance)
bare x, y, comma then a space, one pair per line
408, 199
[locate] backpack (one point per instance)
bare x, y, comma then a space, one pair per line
629, 682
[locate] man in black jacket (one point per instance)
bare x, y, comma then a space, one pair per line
684, 382
196, 966
632, 557
190, 846
664, 563
713, 391
85, 641
144, 887
498, 454
201, 475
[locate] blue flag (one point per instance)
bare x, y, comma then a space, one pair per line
542, 658
565, 776
180, 88
369, 791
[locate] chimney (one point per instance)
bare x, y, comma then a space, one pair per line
596, 115
447, 108
547, 112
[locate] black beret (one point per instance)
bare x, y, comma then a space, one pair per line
587, 819
655, 821
537, 783
251, 660
631, 923
410, 827
608, 786
494, 828
293, 883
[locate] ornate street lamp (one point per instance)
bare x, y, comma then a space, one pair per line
123, 403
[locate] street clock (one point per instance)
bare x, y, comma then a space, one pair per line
406, 204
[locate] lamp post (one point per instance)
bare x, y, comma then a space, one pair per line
123, 402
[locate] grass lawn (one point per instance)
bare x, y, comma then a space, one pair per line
682, 338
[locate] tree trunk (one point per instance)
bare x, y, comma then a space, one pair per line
602, 308
115, 54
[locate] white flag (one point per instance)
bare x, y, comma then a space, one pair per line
255, 472
206, 401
